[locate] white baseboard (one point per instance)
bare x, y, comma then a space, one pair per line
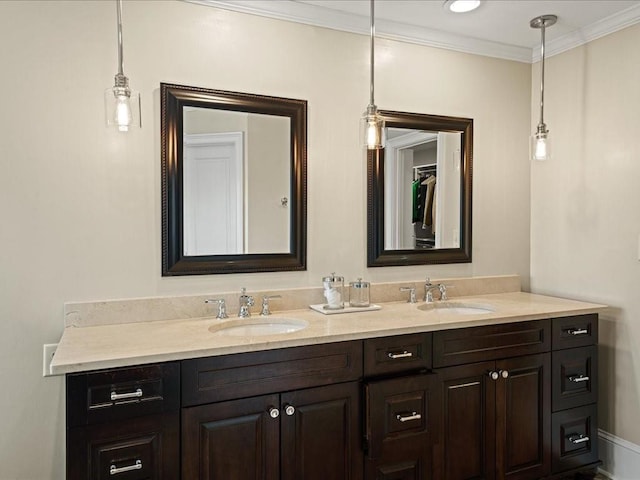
620, 458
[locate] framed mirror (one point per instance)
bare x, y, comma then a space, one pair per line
234, 169
419, 191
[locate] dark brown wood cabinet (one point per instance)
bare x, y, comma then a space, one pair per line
282, 414
312, 434
401, 407
401, 418
496, 419
512, 401
575, 393
124, 423
496, 410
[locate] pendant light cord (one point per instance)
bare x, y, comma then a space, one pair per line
372, 60
120, 57
542, 29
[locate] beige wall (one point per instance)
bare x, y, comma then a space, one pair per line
585, 207
80, 203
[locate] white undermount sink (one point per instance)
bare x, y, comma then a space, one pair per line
254, 327
457, 308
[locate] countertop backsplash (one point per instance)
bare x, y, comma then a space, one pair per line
106, 312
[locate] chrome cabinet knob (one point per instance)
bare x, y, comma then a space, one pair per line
289, 410
274, 412
494, 375
504, 373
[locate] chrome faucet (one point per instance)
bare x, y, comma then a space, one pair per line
246, 301
428, 290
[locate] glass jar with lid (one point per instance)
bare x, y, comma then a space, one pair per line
359, 293
333, 291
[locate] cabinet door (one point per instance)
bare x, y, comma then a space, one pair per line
320, 429
468, 423
523, 405
236, 440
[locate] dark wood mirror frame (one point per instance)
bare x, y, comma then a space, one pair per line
377, 256
172, 100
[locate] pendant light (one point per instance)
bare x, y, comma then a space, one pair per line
373, 133
122, 105
540, 147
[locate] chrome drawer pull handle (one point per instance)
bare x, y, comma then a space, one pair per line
464, 385
123, 396
578, 439
577, 331
115, 470
578, 378
403, 354
408, 418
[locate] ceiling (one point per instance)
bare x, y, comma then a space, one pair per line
498, 28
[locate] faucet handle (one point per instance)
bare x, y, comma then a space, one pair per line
443, 291
412, 293
222, 307
265, 304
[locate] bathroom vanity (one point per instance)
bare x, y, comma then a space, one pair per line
392, 394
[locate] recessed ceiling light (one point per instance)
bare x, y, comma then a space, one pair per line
461, 6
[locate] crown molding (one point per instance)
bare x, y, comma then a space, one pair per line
328, 18
610, 24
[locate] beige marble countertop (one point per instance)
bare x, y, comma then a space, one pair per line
116, 345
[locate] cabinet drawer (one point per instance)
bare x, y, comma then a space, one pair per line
478, 344
397, 354
574, 438
121, 393
411, 462
574, 377
141, 449
577, 331
214, 379
400, 411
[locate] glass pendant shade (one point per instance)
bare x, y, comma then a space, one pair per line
540, 148
122, 105
372, 129
540, 144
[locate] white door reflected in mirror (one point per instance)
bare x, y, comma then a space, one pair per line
236, 172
